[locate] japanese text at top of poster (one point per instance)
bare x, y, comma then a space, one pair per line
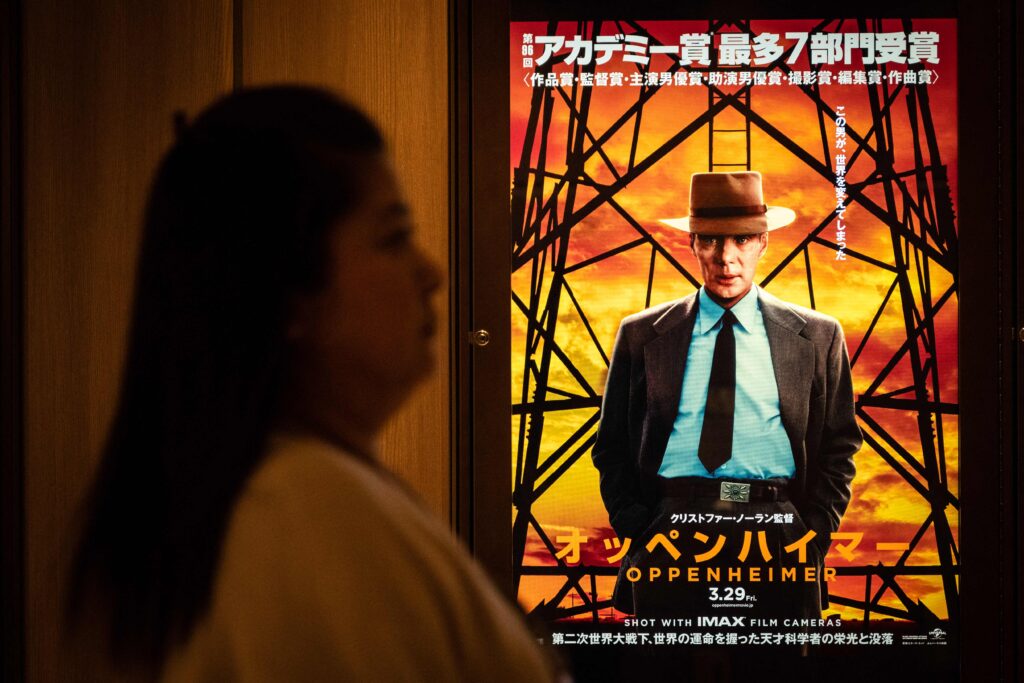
852, 127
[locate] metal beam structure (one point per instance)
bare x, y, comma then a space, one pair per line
548, 206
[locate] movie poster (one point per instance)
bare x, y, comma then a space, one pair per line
851, 125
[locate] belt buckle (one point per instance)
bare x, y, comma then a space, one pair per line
735, 492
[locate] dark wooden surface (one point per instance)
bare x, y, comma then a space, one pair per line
102, 81
990, 351
390, 58
12, 570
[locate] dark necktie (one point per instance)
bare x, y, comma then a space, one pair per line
715, 447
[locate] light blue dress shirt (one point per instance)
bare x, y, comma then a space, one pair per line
760, 446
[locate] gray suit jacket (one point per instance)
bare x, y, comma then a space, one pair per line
641, 401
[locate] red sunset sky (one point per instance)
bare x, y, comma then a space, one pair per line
884, 507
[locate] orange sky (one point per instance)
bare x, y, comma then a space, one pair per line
884, 507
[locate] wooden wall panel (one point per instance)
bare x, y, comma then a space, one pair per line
102, 80
390, 57
101, 83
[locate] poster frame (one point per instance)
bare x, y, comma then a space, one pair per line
989, 217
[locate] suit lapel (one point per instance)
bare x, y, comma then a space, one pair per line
792, 360
665, 363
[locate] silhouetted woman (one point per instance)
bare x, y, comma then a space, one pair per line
238, 528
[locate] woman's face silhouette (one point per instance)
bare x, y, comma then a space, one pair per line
366, 338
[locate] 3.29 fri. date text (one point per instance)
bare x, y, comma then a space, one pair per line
730, 594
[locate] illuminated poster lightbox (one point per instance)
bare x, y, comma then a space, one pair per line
848, 232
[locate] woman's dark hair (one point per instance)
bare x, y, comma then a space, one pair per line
236, 227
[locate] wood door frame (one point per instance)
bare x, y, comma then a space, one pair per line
480, 290
12, 514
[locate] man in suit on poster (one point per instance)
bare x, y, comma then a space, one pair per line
727, 403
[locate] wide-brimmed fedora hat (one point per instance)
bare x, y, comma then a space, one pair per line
730, 204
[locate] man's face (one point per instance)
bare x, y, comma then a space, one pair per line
727, 263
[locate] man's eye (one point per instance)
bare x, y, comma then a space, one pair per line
742, 240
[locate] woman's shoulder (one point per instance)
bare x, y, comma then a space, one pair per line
338, 511
330, 563
308, 482
304, 470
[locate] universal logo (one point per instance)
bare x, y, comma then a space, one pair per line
934, 637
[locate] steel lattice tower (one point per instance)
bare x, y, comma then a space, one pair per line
917, 209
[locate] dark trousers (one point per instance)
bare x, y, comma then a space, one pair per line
701, 556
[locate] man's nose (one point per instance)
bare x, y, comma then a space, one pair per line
726, 251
